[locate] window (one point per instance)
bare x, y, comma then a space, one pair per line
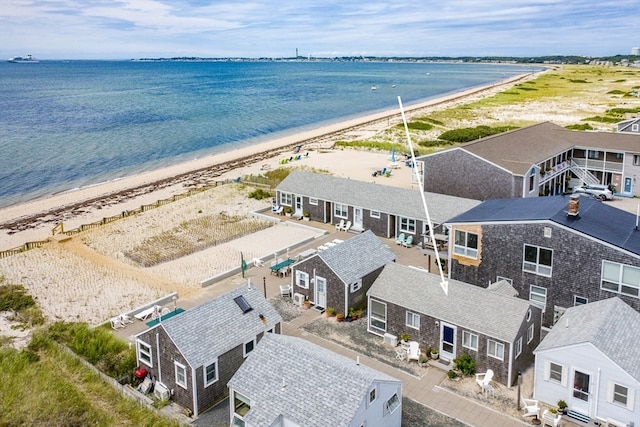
529, 314
506, 279
181, 374
313, 201
210, 374
530, 333
144, 353
620, 395
378, 317
554, 373
577, 300
634, 128
537, 260
372, 395
286, 199
470, 340
340, 210
413, 320
518, 347
241, 406
408, 225
302, 279
593, 154
636, 160
392, 404
243, 304
547, 232
495, 349
532, 177
355, 287
465, 244
538, 296
249, 346
374, 214
620, 278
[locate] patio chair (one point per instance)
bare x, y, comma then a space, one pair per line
116, 323
400, 239
401, 353
285, 291
340, 225
408, 242
347, 226
125, 319
484, 379
530, 408
257, 262
414, 351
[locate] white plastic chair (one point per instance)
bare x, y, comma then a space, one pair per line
340, 225
347, 226
484, 379
116, 323
414, 351
530, 408
285, 290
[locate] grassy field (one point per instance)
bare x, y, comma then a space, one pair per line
42, 385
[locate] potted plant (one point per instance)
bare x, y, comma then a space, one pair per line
423, 360
305, 215
307, 304
434, 353
330, 311
340, 317
288, 211
562, 406
405, 337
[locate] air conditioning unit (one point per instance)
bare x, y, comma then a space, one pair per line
161, 392
298, 299
392, 340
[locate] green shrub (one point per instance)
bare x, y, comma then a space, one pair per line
15, 297
471, 134
452, 374
585, 126
602, 119
260, 194
466, 364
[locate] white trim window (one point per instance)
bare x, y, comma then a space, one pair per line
286, 199
372, 395
210, 373
518, 347
248, 347
374, 214
470, 340
241, 405
465, 244
181, 374
621, 278
391, 405
144, 353
537, 260
530, 333
413, 320
313, 201
620, 395
555, 373
495, 349
355, 286
378, 316
506, 279
302, 279
340, 210
538, 296
407, 225
578, 300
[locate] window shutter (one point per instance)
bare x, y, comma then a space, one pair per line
631, 396
609, 391
547, 370
563, 377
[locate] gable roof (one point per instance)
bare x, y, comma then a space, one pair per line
320, 386
356, 257
610, 325
596, 219
377, 197
471, 307
211, 329
626, 125
518, 149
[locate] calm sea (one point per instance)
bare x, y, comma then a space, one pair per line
69, 124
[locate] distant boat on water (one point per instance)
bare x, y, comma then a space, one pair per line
23, 60
374, 87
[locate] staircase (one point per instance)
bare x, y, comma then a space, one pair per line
583, 174
579, 416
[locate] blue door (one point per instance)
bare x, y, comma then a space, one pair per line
627, 185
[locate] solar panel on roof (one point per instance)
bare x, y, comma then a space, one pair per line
243, 304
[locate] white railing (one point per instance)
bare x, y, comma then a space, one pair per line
583, 174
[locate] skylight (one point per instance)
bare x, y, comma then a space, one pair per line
243, 304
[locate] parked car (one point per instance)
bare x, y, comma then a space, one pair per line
598, 191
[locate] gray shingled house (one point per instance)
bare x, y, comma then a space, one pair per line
496, 329
196, 353
631, 126
592, 362
543, 159
288, 381
554, 258
340, 276
386, 210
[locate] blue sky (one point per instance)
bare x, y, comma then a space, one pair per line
122, 29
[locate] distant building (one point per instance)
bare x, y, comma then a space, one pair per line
635, 51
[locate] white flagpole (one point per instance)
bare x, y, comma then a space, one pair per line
444, 284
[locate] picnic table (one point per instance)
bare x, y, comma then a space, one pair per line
283, 264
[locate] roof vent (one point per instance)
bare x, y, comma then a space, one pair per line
574, 205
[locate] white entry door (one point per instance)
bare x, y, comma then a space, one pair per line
357, 218
580, 401
298, 207
447, 341
321, 292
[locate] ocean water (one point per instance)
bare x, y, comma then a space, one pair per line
69, 124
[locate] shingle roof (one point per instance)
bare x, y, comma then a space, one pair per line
215, 327
596, 219
320, 386
517, 150
353, 259
610, 325
471, 307
378, 197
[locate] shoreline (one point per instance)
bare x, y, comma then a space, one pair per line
84, 205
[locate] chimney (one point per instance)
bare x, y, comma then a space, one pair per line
574, 205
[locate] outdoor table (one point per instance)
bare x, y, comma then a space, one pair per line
284, 264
